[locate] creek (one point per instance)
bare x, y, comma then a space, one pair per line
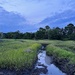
45, 66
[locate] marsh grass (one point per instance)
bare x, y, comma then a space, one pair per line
67, 45
14, 54
60, 53
19, 53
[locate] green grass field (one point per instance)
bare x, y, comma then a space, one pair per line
62, 50
18, 53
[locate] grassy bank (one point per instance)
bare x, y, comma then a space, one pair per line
63, 58
60, 53
17, 54
67, 45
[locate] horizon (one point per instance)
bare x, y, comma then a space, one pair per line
37, 29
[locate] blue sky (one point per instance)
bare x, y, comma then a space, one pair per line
29, 15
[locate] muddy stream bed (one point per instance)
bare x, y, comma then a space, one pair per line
45, 66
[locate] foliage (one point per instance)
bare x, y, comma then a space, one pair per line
66, 33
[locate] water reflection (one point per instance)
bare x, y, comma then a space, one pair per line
45, 62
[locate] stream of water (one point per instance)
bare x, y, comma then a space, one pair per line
44, 62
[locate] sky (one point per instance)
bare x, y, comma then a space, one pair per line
29, 15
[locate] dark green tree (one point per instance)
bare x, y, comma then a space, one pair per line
47, 28
40, 34
55, 33
69, 30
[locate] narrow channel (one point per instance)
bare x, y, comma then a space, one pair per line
44, 65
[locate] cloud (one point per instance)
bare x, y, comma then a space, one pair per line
37, 10
10, 21
19, 14
59, 19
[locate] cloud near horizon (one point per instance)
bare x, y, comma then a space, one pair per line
10, 21
28, 15
60, 19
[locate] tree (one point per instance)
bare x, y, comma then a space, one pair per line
47, 31
1, 35
47, 27
66, 33
28, 35
69, 30
40, 34
55, 33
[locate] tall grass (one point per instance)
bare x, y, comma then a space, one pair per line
61, 53
67, 45
16, 54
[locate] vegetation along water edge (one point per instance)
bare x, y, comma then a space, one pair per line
18, 55
64, 59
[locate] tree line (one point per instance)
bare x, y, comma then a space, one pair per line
66, 33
